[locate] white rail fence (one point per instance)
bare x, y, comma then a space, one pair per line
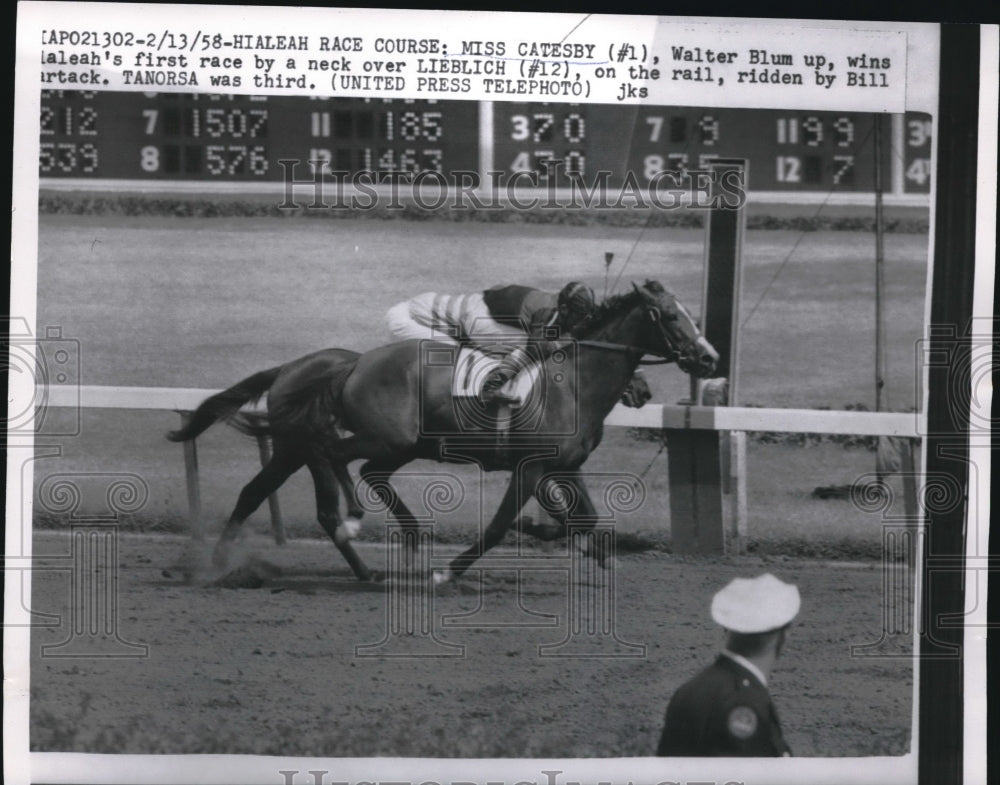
656, 416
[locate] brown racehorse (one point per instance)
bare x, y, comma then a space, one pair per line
300, 395
398, 406
301, 400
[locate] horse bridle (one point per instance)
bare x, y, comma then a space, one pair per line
688, 341
656, 315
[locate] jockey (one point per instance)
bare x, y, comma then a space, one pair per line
512, 316
545, 318
540, 314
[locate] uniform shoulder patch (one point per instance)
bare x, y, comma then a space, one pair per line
742, 722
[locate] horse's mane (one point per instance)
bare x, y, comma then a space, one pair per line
614, 306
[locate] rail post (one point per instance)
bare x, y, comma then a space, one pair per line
706, 468
910, 448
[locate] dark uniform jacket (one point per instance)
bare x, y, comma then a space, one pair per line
521, 306
723, 711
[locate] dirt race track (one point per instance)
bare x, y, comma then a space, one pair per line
276, 670
157, 301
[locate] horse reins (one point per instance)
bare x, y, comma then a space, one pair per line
627, 347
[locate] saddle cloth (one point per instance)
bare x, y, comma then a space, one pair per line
474, 366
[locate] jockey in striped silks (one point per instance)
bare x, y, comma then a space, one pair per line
514, 318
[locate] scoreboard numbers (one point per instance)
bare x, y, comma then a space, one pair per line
917, 153
787, 150
709, 128
843, 130
534, 137
69, 121
178, 136
66, 159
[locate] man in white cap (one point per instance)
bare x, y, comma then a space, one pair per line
726, 709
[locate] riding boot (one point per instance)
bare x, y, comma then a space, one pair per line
508, 368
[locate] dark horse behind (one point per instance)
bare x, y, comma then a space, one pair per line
305, 424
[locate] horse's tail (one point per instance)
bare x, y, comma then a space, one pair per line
226, 404
314, 407
250, 423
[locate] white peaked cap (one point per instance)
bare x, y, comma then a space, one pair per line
749, 605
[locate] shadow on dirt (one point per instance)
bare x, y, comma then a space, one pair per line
311, 585
244, 569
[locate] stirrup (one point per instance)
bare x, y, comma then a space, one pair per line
492, 391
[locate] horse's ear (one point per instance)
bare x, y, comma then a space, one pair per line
636, 287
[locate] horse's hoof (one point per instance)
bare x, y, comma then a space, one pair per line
347, 531
440, 577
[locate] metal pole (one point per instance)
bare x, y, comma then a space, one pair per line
705, 487
879, 267
879, 277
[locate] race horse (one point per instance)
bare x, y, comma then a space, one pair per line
302, 401
398, 407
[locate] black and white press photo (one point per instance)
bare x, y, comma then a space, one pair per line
439, 397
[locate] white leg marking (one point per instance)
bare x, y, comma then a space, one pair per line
347, 531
